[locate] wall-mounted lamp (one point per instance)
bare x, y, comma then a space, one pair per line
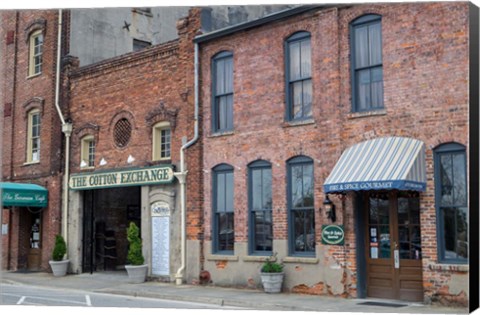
329, 209
103, 162
83, 164
130, 159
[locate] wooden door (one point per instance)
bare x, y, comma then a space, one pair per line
393, 255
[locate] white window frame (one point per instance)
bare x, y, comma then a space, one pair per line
87, 160
32, 64
31, 157
157, 141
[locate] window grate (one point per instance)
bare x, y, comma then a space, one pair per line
122, 132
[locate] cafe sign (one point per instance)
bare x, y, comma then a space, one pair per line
122, 178
333, 235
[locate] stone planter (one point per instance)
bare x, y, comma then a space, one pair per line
272, 282
59, 268
136, 274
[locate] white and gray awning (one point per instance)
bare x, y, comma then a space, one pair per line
380, 164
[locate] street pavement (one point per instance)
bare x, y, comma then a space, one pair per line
117, 283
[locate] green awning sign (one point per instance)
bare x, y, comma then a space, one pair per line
23, 195
333, 235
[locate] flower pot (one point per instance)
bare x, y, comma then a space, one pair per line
59, 268
136, 273
272, 282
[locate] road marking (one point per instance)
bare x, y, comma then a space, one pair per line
87, 298
22, 299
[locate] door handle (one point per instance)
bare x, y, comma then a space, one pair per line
396, 256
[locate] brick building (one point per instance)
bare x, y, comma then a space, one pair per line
364, 106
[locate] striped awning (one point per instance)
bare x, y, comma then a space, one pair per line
380, 164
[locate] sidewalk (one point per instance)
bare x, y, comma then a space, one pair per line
117, 283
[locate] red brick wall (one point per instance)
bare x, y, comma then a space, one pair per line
425, 62
19, 90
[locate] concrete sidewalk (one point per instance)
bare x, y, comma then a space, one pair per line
117, 283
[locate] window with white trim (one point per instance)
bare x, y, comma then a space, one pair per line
36, 53
33, 142
88, 152
161, 141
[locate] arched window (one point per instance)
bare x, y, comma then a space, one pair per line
222, 92
366, 63
33, 136
87, 154
223, 234
451, 202
260, 207
300, 201
35, 53
161, 141
298, 70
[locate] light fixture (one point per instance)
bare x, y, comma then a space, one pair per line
329, 209
83, 164
130, 159
103, 162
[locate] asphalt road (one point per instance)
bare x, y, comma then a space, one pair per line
37, 296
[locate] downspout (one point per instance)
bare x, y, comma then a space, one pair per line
182, 178
66, 129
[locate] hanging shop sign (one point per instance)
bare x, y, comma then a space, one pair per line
333, 234
121, 178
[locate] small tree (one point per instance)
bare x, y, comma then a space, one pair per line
135, 256
60, 248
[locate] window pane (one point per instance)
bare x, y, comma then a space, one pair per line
307, 98
263, 230
375, 42
308, 185
404, 242
377, 87
449, 232
361, 47
384, 251
297, 94
294, 62
222, 113
446, 178
462, 233
220, 192
297, 186
267, 188
305, 59
415, 243
304, 230
257, 189
229, 75
220, 77
229, 112
459, 180
225, 231
363, 89
229, 192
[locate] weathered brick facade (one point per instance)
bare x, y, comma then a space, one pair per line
21, 94
425, 64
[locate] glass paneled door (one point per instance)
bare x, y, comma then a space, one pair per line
394, 252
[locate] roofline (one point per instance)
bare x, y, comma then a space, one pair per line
258, 22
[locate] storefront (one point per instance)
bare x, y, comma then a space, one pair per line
388, 175
22, 225
104, 203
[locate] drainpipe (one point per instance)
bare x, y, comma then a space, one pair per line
182, 178
66, 129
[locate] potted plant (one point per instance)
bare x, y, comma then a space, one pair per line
272, 275
137, 270
58, 264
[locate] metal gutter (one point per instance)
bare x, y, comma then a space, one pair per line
258, 22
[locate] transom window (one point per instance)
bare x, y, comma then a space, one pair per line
222, 85
451, 201
299, 76
162, 141
367, 68
33, 143
260, 205
301, 206
36, 53
223, 210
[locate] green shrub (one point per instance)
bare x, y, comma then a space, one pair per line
60, 248
134, 256
270, 266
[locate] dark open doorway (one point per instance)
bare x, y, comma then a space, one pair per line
106, 215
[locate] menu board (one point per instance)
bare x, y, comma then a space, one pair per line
160, 239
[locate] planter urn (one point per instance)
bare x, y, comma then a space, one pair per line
59, 268
136, 273
272, 281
